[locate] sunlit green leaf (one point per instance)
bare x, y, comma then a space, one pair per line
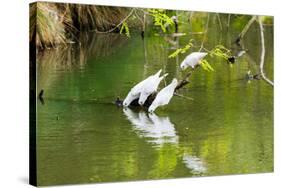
181, 50
125, 28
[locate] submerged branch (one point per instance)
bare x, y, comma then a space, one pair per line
263, 54
185, 97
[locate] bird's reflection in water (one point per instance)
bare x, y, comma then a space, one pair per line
195, 164
157, 130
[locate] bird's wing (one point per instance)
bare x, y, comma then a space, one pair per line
152, 85
193, 61
186, 60
161, 97
138, 88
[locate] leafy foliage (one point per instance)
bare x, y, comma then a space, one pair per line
125, 29
220, 51
181, 50
161, 19
206, 66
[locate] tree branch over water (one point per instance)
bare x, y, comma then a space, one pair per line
245, 29
118, 25
263, 53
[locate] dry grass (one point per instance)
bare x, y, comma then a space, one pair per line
57, 23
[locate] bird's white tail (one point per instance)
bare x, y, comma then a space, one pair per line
162, 77
158, 73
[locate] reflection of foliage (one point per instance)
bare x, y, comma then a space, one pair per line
125, 28
160, 18
165, 161
181, 50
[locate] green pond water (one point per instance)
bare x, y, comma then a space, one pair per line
225, 126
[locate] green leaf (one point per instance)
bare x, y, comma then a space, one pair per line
220, 51
125, 28
161, 19
206, 66
181, 50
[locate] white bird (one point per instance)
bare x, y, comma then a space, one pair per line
136, 90
150, 87
192, 60
164, 96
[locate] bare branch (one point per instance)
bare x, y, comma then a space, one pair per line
246, 28
109, 31
205, 34
263, 54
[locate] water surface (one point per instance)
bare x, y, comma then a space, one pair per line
83, 137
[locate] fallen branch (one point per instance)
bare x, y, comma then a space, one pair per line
263, 54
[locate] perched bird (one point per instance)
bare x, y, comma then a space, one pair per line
164, 96
150, 87
192, 60
136, 90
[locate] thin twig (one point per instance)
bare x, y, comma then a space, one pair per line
228, 20
218, 16
246, 28
205, 34
109, 31
138, 17
263, 54
185, 97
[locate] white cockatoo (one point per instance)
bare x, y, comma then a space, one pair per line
164, 96
150, 87
136, 90
192, 60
